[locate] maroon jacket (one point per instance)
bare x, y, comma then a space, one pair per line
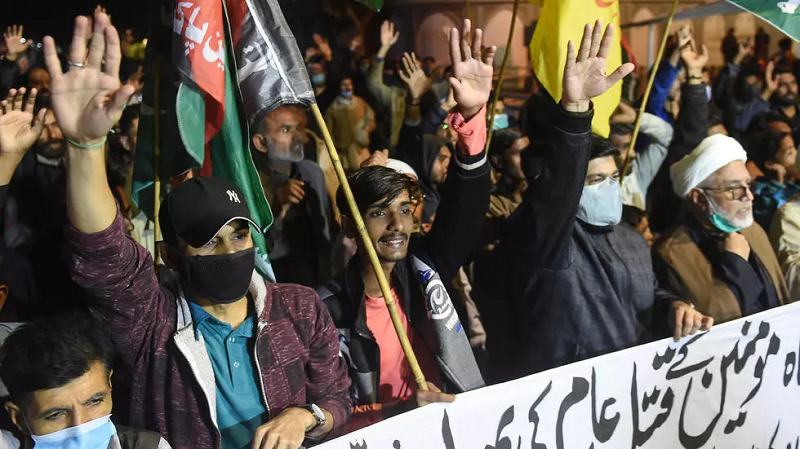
173, 391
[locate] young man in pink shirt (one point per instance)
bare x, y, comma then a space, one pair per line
416, 265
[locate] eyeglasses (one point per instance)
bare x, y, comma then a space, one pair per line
733, 193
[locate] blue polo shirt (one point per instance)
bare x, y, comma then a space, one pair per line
240, 409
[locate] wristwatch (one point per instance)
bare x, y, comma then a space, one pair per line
318, 415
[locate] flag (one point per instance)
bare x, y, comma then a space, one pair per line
784, 16
561, 21
223, 65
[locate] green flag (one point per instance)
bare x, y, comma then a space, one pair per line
784, 15
375, 5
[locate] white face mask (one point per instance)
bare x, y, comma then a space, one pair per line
601, 203
95, 434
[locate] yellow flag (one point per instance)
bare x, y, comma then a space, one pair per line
560, 21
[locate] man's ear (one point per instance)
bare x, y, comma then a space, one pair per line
15, 413
699, 200
167, 255
348, 226
260, 143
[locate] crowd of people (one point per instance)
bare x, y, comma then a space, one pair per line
552, 245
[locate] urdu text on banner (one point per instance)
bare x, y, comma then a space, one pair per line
737, 386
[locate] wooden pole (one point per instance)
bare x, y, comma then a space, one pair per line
468, 10
371, 254
647, 90
157, 152
502, 73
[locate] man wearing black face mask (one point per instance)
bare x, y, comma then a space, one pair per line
295, 187
222, 359
577, 283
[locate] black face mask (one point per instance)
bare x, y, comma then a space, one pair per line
222, 279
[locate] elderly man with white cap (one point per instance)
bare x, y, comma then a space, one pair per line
716, 256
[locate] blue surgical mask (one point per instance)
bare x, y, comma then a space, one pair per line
601, 204
347, 93
95, 434
500, 122
318, 79
718, 220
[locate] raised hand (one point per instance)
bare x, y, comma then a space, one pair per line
418, 83
585, 74
15, 43
19, 130
323, 46
88, 100
624, 115
388, 35
771, 80
694, 61
472, 69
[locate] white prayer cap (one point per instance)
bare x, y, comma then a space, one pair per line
401, 167
713, 153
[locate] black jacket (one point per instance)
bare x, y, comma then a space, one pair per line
460, 216
563, 290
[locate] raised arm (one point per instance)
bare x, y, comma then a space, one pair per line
465, 194
88, 100
541, 230
691, 127
382, 92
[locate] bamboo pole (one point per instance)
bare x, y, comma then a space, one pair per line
647, 90
502, 73
468, 10
371, 254
157, 152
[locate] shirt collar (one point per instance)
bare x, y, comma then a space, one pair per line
200, 316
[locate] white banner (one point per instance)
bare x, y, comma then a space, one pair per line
737, 386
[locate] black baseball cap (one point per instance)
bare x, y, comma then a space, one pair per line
198, 208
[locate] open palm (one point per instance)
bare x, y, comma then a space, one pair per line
472, 69
88, 101
585, 74
18, 129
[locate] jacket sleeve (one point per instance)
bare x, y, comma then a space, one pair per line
723, 88
691, 127
328, 382
464, 199
383, 93
662, 83
785, 237
649, 161
749, 110
540, 231
120, 279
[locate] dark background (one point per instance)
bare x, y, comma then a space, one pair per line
55, 17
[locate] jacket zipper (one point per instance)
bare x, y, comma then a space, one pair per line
186, 351
261, 375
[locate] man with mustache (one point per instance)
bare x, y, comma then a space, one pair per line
416, 266
295, 187
717, 257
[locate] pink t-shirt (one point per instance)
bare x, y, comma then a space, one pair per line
397, 380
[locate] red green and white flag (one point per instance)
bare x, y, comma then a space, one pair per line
223, 66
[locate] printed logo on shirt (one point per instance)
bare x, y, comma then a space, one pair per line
439, 304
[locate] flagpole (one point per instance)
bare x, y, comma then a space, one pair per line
157, 151
648, 88
371, 254
502, 73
